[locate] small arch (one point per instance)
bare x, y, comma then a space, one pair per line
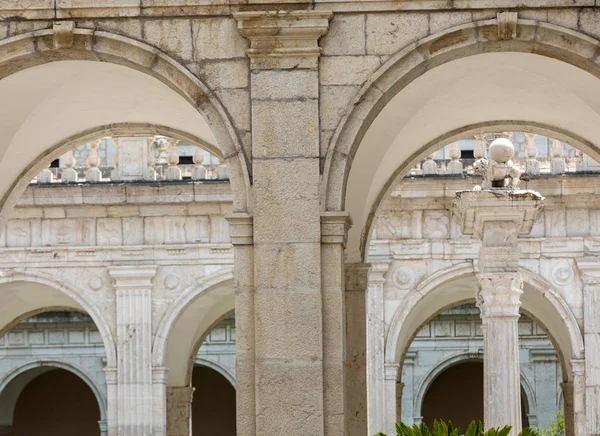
213, 296
13, 277
221, 369
8, 400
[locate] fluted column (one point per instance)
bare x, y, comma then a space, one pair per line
135, 405
376, 397
499, 302
179, 410
498, 217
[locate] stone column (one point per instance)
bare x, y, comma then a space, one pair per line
579, 394
179, 410
241, 231
498, 217
292, 361
376, 349
392, 389
567, 393
135, 404
590, 275
112, 399
356, 348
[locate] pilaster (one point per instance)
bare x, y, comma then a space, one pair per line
297, 331
589, 269
241, 230
579, 397
135, 405
376, 397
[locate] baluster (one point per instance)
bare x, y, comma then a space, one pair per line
479, 151
222, 170
150, 171
429, 166
532, 165
93, 173
558, 165
173, 172
45, 176
455, 166
69, 174
199, 172
114, 174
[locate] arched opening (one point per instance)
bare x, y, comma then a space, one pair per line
457, 395
213, 407
56, 403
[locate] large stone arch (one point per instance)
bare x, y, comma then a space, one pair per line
15, 381
455, 284
31, 52
414, 65
44, 292
218, 367
190, 318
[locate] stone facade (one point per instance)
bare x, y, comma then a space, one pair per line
318, 110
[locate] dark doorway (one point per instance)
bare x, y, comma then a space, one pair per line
56, 403
213, 406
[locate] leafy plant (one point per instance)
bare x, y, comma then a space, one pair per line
441, 428
557, 428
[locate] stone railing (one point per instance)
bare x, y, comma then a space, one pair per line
530, 164
133, 159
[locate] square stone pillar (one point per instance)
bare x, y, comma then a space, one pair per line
137, 414
297, 351
179, 410
498, 217
376, 393
356, 348
579, 398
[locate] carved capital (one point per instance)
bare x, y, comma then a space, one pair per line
499, 295
378, 272
578, 366
241, 228
589, 270
282, 39
334, 227
63, 34
134, 277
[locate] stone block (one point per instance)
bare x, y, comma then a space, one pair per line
334, 104
439, 21
218, 38
578, 222
285, 85
18, 233
346, 35
237, 102
555, 222
589, 22
564, 17
104, 194
226, 73
131, 27
287, 266
133, 231
109, 231
171, 35
275, 136
388, 33
347, 70
283, 212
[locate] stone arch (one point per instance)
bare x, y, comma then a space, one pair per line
15, 381
454, 360
219, 368
455, 284
37, 49
177, 339
413, 62
78, 301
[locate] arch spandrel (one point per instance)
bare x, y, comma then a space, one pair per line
402, 81
28, 54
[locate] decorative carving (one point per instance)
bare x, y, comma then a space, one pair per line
435, 225
563, 273
499, 294
507, 25
499, 171
394, 225
96, 283
404, 277
171, 281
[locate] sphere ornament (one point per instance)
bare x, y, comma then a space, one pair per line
502, 150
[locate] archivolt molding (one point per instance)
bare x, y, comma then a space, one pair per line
12, 375
36, 48
168, 321
218, 368
414, 60
432, 282
75, 294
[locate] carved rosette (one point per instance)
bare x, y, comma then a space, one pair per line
499, 295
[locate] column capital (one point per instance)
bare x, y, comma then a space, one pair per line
241, 228
391, 371
283, 39
357, 276
578, 366
499, 294
378, 272
334, 227
589, 269
160, 375
132, 276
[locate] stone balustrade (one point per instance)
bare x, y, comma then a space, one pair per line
133, 159
537, 158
